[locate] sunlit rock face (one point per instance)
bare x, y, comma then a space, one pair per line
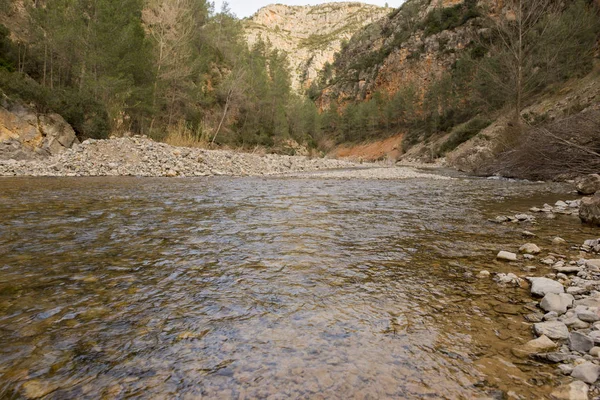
310, 35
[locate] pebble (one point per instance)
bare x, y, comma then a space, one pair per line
506, 256
529, 248
483, 274
140, 156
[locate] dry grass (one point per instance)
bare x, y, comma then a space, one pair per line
182, 136
562, 149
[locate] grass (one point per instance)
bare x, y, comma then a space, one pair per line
183, 136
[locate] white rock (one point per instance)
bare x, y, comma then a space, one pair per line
483, 274
529, 248
543, 286
506, 256
573, 391
558, 241
557, 302
587, 372
553, 329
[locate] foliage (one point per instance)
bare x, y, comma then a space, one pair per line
462, 133
445, 18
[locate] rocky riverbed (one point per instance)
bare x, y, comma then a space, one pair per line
140, 156
564, 281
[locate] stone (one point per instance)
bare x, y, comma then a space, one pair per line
483, 274
561, 204
593, 263
587, 372
595, 335
528, 234
580, 342
551, 316
573, 391
509, 279
543, 286
556, 302
588, 315
574, 322
595, 351
558, 241
524, 217
588, 184
540, 345
576, 290
555, 357
529, 248
589, 211
566, 369
506, 256
553, 329
569, 269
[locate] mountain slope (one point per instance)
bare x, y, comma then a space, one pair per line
310, 35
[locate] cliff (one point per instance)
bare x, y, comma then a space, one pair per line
310, 35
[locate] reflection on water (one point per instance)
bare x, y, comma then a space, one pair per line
261, 288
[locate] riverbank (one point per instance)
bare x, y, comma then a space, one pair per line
140, 156
564, 282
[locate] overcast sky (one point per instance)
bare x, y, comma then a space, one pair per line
245, 8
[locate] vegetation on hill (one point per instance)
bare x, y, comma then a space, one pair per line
511, 58
181, 72
154, 67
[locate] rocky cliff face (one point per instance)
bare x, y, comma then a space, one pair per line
404, 48
26, 134
310, 35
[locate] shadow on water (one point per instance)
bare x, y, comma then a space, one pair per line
250, 288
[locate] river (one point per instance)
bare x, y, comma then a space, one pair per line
265, 288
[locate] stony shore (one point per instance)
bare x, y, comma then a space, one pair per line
140, 156
564, 282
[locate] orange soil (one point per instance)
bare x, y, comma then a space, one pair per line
389, 148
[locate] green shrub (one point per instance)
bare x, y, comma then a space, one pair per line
442, 19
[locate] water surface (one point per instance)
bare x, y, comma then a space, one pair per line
264, 288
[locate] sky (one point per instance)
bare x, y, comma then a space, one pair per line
245, 8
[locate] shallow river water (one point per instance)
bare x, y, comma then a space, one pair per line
265, 288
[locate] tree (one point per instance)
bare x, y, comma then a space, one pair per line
529, 42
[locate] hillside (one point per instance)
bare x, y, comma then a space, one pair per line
310, 35
438, 73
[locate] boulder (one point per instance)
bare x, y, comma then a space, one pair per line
580, 342
556, 302
553, 329
587, 372
589, 211
25, 134
573, 391
543, 286
588, 184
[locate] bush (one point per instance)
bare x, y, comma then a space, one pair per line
442, 19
